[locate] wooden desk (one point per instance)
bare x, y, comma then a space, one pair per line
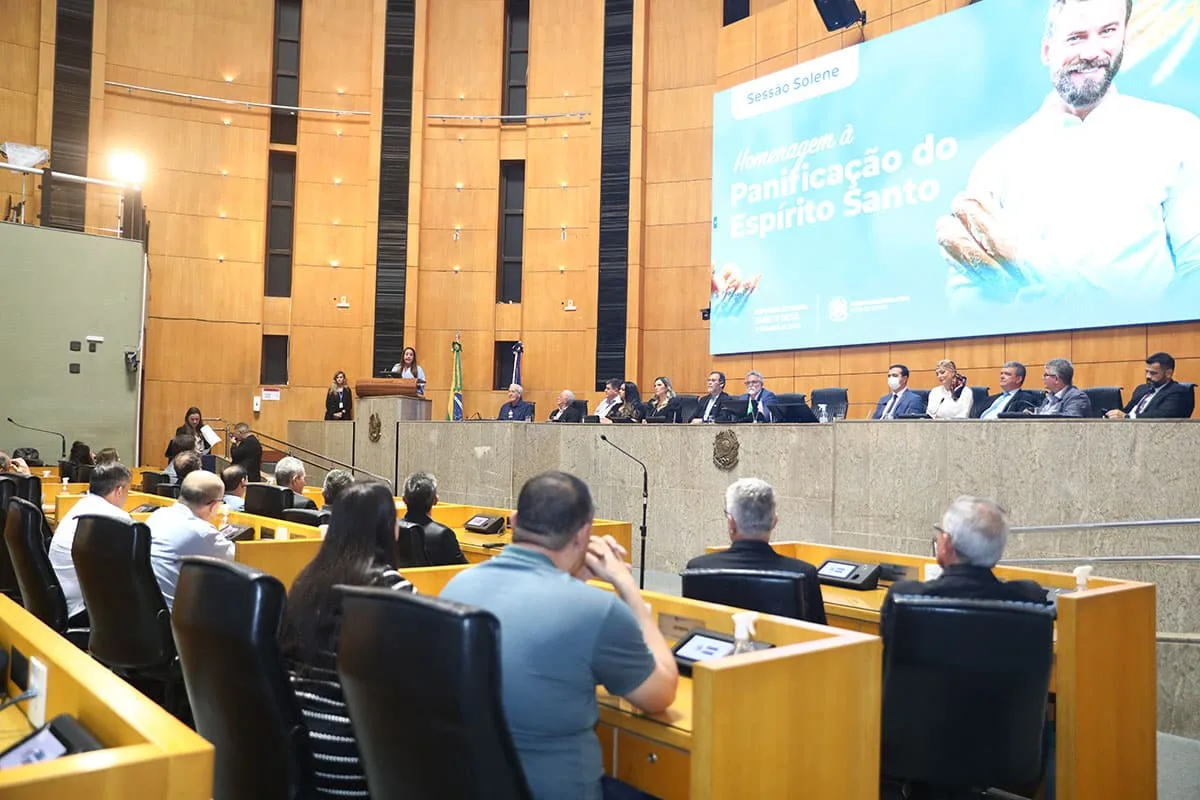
149, 753
803, 714
1104, 671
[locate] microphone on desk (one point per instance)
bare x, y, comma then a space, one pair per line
645, 501
43, 430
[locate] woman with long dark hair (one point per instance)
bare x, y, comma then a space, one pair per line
193, 421
631, 408
359, 550
81, 455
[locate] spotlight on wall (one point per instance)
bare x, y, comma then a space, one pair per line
564, 184
457, 269
336, 223
341, 90
562, 269
127, 168
222, 215
220, 259
229, 79
335, 263
458, 186
457, 232
343, 303
226, 121
337, 181
224, 173
569, 305
563, 232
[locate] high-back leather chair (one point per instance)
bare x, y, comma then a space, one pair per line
410, 545
8, 578
130, 622
28, 487
1104, 398
580, 406
688, 404
765, 591
83, 473
66, 469
226, 621
41, 593
267, 500
151, 481
964, 691
305, 516
431, 726
167, 490
836, 400
979, 400
924, 395
1190, 406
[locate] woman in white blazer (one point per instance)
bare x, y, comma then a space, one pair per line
951, 398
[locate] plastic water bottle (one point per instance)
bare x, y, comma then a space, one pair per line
743, 629
822, 413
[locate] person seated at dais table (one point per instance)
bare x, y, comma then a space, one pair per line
516, 409
1012, 398
900, 401
565, 411
1161, 396
951, 398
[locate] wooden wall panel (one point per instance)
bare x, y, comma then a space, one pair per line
21, 57
465, 44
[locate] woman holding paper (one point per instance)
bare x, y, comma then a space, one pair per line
193, 421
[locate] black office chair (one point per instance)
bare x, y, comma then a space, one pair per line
979, 403
130, 622
924, 395
151, 481
532, 410
66, 469
765, 591
1190, 407
580, 406
267, 500
688, 404
8, 576
792, 407
306, 516
226, 621
41, 592
83, 473
410, 713
28, 487
1104, 398
167, 490
410, 545
950, 664
835, 400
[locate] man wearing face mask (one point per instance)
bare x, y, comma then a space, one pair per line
899, 401
1161, 396
1097, 193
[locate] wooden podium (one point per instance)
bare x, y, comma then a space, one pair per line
386, 387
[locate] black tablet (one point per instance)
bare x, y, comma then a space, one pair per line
60, 737
701, 644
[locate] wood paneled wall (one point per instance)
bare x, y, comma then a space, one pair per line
26, 89
206, 197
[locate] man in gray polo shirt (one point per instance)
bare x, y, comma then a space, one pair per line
559, 637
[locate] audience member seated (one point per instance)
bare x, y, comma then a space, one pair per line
561, 637
565, 411
1063, 399
336, 482
968, 543
107, 493
516, 409
357, 551
630, 409
707, 405
900, 401
185, 529
246, 452
108, 455
289, 473
81, 454
1012, 397
420, 496
750, 512
193, 421
1161, 396
950, 399
612, 399
664, 405
761, 405
16, 466
180, 444
185, 464
234, 478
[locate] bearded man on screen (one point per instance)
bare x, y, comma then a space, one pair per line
1096, 193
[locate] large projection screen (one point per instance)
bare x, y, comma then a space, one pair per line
1013, 166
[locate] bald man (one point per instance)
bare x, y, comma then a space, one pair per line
185, 529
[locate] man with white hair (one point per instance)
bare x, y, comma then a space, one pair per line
289, 473
516, 408
750, 511
565, 411
968, 543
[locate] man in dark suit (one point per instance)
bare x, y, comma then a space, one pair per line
761, 404
516, 409
707, 405
968, 543
1012, 397
750, 510
1161, 396
290, 474
1063, 398
420, 496
900, 400
565, 411
246, 452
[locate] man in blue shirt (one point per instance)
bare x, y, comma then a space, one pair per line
559, 637
516, 408
1012, 397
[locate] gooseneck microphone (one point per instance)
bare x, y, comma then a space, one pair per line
43, 430
645, 500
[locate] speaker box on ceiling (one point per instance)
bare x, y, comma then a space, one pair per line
838, 14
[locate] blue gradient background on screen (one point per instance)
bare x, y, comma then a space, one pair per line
973, 74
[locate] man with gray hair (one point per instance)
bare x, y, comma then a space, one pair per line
289, 473
246, 452
761, 404
1063, 398
185, 529
420, 496
336, 481
968, 543
565, 411
516, 409
750, 515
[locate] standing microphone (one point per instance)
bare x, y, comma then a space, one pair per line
645, 500
43, 430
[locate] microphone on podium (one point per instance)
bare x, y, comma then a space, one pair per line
43, 430
645, 501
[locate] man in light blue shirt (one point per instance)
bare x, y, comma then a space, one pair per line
184, 529
1096, 193
234, 478
1012, 397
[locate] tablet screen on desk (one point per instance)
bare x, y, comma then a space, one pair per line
702, 648
43, 745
